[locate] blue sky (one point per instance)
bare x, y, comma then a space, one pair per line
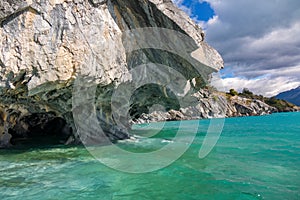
199, 10
258, 40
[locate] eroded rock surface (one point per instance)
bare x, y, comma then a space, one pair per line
47, 45
210, 104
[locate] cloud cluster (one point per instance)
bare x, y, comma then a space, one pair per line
266, 85
259, 41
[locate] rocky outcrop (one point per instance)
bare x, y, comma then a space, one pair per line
210, 104
51, 50
240, 106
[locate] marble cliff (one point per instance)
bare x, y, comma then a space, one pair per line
47, 46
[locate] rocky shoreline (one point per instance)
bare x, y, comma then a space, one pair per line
27, 120
215, 105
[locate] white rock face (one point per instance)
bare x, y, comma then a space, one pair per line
46, 45
55, 39
210, 56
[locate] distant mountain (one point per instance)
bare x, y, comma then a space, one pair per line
292, 96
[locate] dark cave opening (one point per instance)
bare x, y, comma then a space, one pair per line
39, 129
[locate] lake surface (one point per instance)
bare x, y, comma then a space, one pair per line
255, 158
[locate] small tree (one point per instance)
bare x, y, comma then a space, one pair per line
232, 92
246, 91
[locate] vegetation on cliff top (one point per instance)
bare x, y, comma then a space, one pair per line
279, 104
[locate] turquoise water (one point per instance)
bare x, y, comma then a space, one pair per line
255, 158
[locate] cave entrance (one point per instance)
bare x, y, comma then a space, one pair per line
39, 129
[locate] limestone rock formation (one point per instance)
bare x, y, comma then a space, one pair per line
210, 104
47, 46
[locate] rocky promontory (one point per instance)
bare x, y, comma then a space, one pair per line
214, 104
48, 47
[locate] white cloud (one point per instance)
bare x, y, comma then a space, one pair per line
257, 39
213, 20
265, 85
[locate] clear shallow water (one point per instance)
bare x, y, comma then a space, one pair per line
255, 158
